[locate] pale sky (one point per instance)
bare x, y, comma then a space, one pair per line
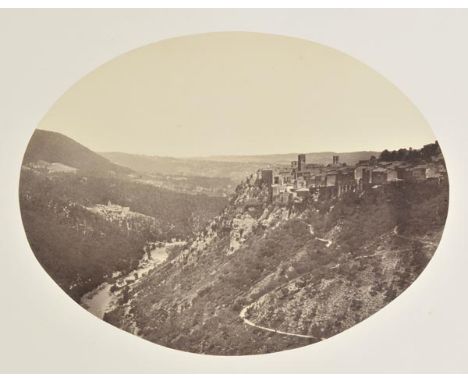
236, 93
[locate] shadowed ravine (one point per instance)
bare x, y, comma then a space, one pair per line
103, 299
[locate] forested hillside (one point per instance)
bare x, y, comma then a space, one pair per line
53, 147
265, 277
251, 275
76, 241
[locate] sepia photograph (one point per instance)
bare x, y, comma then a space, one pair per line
233, 193
238, 192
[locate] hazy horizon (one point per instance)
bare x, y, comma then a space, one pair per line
242, 155
236, 94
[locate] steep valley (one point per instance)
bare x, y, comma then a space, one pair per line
86, 217
256, 273
265, 276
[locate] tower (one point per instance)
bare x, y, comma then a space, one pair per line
301, 160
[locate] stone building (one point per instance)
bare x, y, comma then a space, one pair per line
378, 176
303, 180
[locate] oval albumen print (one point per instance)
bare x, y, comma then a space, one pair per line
233, 193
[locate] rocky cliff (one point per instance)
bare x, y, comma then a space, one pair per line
264, 277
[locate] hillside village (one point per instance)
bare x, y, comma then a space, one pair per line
303, 180
298, 253
124, 217
275, 270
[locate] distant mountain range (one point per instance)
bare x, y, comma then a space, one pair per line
235, 167
319, 158
187, 167
54, 147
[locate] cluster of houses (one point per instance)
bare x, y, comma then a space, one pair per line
111, 212
302, 179
123, 216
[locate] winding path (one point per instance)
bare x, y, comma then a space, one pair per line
427, 242
253, 324
311, 230
243, 312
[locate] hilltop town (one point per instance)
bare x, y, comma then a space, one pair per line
298, 252
303, 180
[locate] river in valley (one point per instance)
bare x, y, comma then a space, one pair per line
105, 297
